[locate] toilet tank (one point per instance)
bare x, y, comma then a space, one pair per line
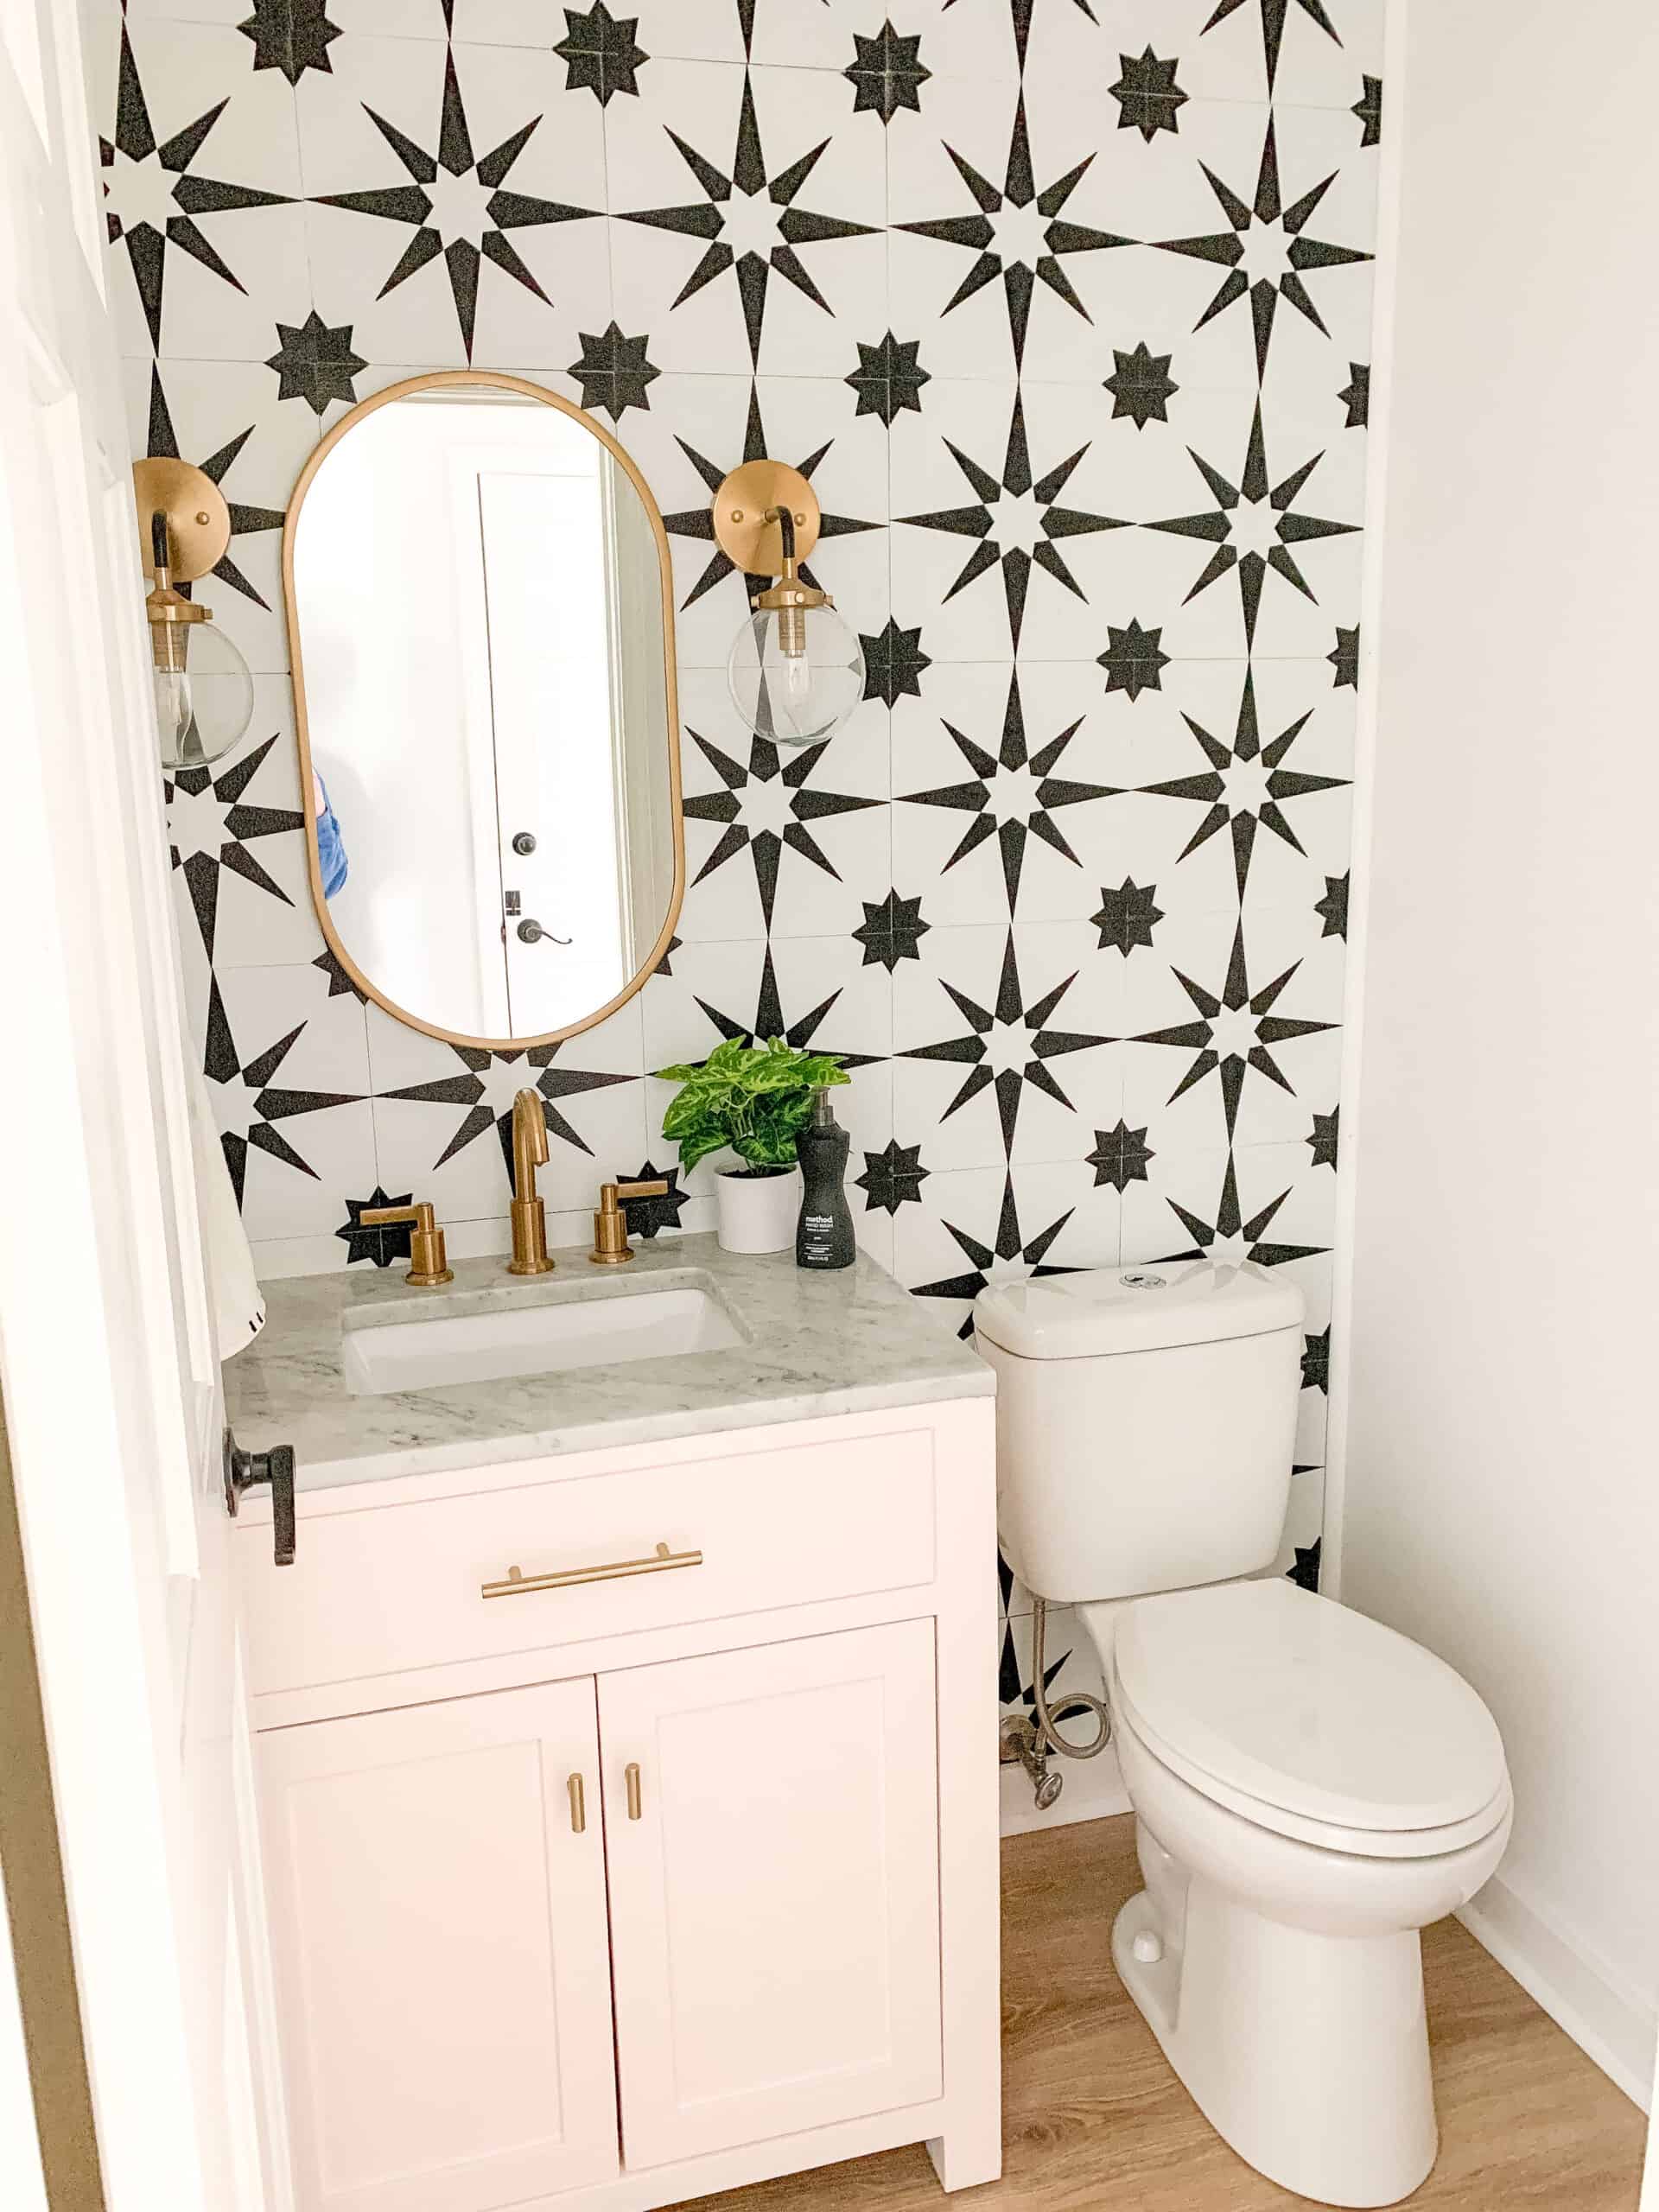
1146, 1418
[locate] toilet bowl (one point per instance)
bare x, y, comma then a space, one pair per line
1316, 1790
1310, 1789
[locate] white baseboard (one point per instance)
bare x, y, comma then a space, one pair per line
1610, 2022
1093, 1789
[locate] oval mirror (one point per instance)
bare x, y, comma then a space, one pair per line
480, 620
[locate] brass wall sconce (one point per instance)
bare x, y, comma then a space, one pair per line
204, 694
796, 670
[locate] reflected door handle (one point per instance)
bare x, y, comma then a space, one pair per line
532, 933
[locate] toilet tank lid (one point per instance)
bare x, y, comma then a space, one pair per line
1151, 1308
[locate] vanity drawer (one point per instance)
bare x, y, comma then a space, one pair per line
387, 1589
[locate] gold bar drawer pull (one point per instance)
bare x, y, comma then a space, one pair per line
518, 1583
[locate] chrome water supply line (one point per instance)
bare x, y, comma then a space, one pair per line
1030, 1743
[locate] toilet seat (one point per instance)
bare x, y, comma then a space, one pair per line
1308, 1719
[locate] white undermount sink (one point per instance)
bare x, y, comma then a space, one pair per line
425, 1351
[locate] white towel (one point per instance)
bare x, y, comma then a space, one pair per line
238, 1304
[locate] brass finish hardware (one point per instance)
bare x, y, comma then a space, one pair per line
198, 516
611, 1246
745, 515
429, 1262
630, 1777
529, 1212
578, 1805
489, 383
520, 1585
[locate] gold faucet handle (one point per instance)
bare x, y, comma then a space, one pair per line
429, 1262
611, 1246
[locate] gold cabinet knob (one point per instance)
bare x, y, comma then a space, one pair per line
631, 1779
578, 1804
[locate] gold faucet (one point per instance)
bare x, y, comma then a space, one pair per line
528, 1214
611, 1246
429, 1263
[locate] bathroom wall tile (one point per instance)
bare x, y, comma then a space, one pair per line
239, 845
502, 259
200, 177
781, 264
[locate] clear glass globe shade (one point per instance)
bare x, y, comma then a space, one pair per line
203, 708
796, 697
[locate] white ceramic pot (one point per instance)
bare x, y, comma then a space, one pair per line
757, 1213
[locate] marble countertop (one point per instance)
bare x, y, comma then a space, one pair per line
848, 1342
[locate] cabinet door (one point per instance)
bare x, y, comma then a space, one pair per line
774, 1888
440, 1934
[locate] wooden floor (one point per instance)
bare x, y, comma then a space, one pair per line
1094, 2118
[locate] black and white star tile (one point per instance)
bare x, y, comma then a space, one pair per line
748, 226
288, 1076
1000, 234
456, 203
1008, 793
1241, 780
238, 841
1232, 1027
200, 179
1003, 1044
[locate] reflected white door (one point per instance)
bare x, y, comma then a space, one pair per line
550, 644
109, 1382
774, 1897
441, 1946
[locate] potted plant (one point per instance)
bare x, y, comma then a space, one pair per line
754, 1099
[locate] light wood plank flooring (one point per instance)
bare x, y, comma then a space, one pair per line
1094, 2118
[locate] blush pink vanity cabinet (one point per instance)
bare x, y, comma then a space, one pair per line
616, 1892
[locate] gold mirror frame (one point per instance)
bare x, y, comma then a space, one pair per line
496, 380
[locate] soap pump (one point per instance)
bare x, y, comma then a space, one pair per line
823, 1236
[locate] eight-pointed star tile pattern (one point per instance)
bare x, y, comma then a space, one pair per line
1099, 430
1014, 794
601, 52
766, 806
1236, 1030
1246, 787
722, 212
458, 205
154, 191
1010, 505
212, 822
979, 233
1008, 1046
1265, 250
1254, 514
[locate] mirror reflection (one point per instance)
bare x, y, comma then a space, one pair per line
483, 662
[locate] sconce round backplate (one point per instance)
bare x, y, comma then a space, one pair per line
746, 538
198, 520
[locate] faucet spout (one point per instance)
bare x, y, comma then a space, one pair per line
528, 1213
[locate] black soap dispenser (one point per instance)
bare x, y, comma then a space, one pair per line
823, 1236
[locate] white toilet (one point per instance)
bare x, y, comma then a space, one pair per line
1310, 1788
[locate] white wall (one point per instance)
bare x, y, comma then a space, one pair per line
1501, 1503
